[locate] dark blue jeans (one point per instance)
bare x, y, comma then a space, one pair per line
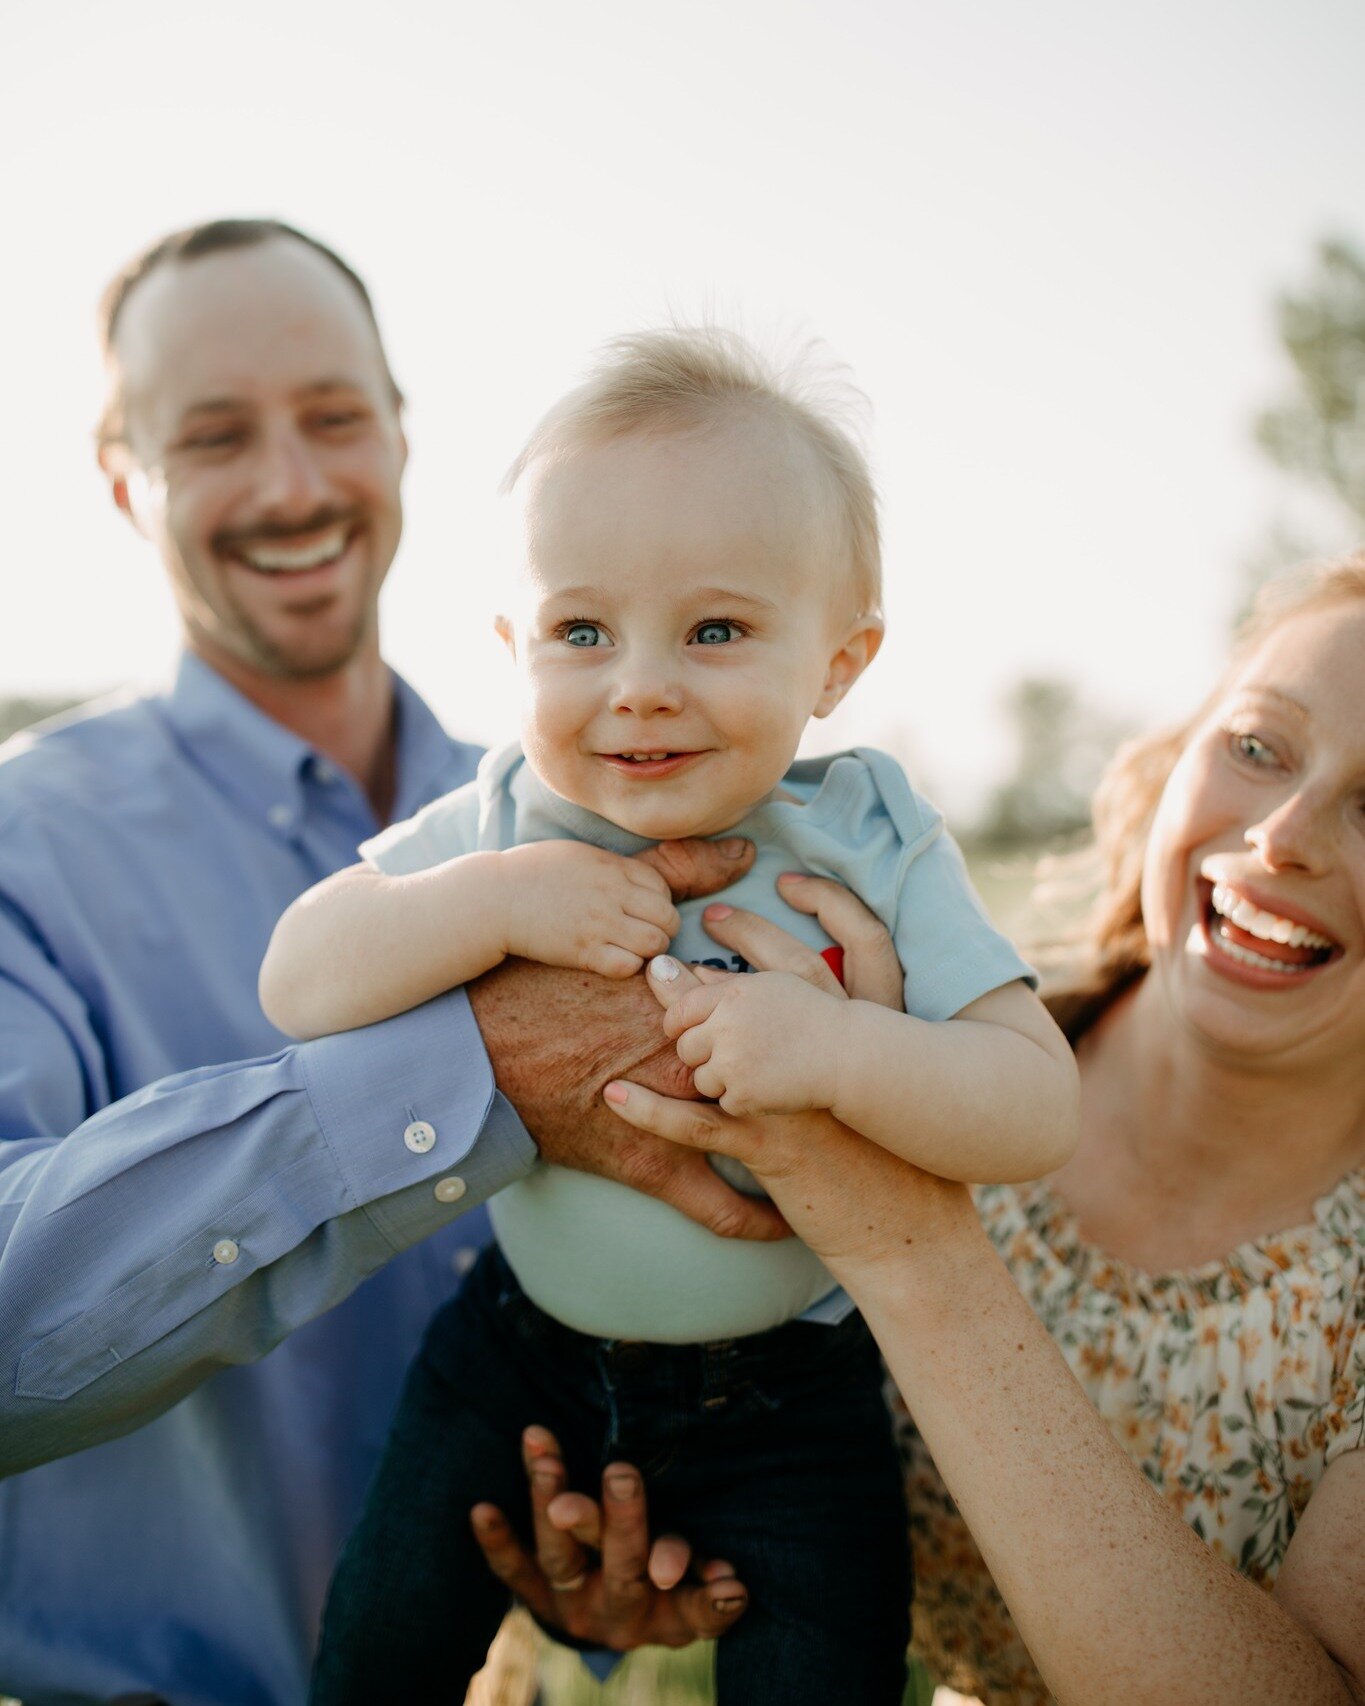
774, 1452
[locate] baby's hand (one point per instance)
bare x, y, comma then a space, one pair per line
761, 1043
568, 904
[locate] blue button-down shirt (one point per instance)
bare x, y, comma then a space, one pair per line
165, 1218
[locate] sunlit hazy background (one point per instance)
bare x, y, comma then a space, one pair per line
1072, 252
1047, 239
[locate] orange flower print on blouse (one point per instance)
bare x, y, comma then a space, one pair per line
1232, 1386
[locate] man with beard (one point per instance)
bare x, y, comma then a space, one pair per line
165, 1217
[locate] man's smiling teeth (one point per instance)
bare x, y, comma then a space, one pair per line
1227, 903
279, 559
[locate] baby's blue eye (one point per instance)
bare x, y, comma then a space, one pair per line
583, 634
715, 633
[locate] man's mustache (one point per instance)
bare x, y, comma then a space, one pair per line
280, 532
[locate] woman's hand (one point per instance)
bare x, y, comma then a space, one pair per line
594, 1575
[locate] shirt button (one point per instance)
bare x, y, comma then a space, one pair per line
323, 771
464, 1259
451, 1189
420, 1137
279, 816
225, 1251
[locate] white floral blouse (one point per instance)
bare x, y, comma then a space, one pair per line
1232, 1386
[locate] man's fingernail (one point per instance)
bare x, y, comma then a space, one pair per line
732, 846
623, 1486
544, 1480
718, 911
664, 968
615, 1093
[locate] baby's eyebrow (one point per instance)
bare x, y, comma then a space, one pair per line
577, 595
729, 596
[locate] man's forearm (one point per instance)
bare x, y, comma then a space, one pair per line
197, 1222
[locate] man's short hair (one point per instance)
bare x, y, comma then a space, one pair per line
690, 378
191, 244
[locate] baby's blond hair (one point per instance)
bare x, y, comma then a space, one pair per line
691, 378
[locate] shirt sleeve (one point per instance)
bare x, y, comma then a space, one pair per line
197, 1222
909, 870
951, 952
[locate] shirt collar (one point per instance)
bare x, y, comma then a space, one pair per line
265, 765
425, 753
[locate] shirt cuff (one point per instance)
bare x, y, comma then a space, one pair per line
411, 1117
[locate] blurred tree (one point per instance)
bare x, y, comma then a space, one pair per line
18, 712
1317, 433
1061, 745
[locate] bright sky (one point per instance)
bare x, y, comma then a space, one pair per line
1045, 238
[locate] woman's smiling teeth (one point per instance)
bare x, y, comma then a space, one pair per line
1233, 923
275, 558
1227, 903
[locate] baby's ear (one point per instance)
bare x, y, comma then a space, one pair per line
856, 650
506, 633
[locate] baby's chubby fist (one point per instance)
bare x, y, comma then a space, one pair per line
565, 903
761, 1043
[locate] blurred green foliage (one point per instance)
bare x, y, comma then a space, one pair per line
1318, 432
19, 712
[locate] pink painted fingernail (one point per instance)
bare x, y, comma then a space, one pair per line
718, 911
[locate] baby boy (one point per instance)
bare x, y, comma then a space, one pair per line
702, 577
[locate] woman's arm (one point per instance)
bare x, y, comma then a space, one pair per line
1117, 1599
364, 945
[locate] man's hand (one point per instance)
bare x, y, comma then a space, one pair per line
595, 1575
556, 1037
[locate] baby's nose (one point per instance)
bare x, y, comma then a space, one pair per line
646, 693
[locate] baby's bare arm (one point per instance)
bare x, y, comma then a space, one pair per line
991, 1094
988, 1094
363, 946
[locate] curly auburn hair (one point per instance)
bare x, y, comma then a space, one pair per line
1109, 952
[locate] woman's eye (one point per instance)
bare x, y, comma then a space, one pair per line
1253, 749
715, 633
582, 634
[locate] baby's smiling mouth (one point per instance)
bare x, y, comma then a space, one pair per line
635, 761
1262, 940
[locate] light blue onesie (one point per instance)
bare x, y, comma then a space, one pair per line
618, 1265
